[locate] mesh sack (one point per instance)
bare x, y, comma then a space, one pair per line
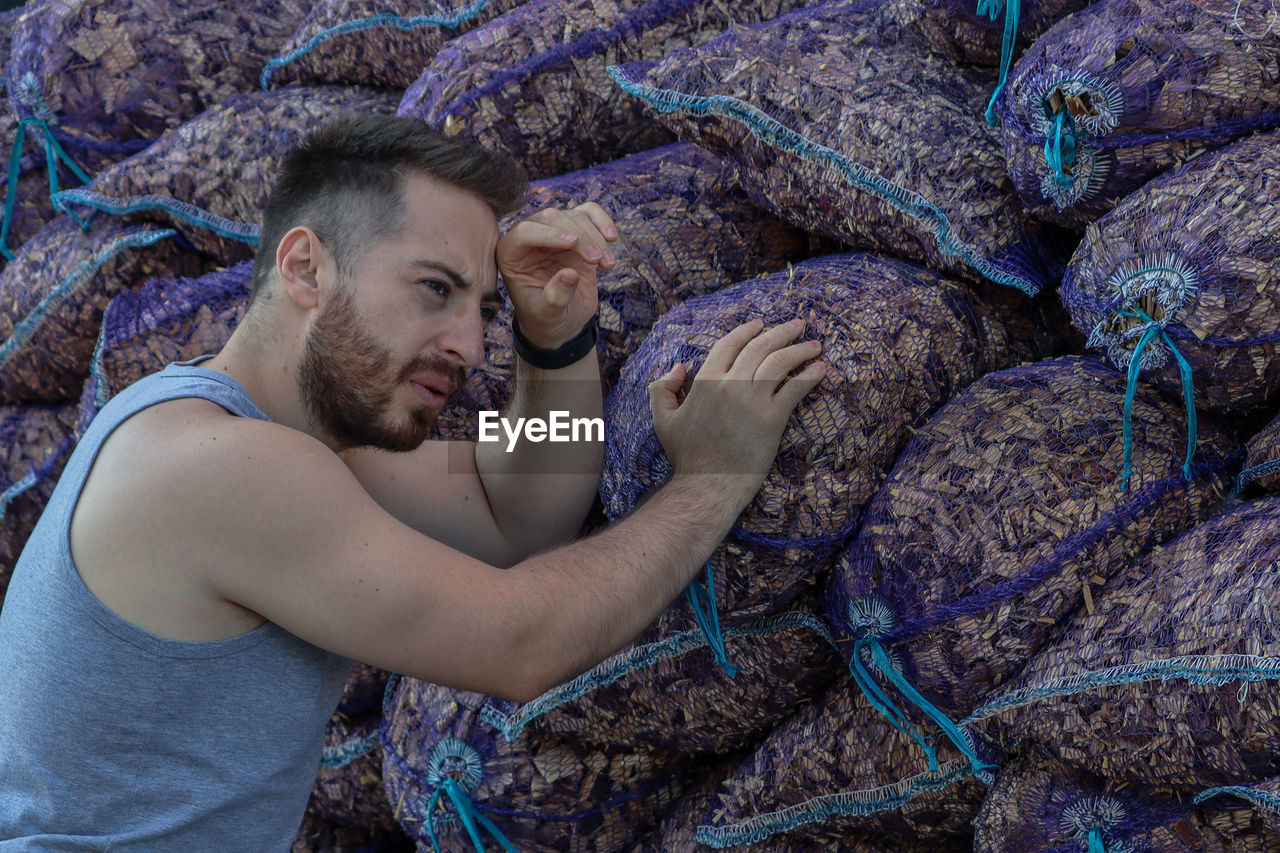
210, 178
318, 834
53, 293
444, 762
28, 205
837, 768
166, 320
348, 788
1039, 804
1263, 797
380, 43
35, 442
898, 341
1125, 89
364, 690
1168, 681
671, 693
1184, 276
533, 83
844, 124
103, 78
999, 518
976, 30
686, 230
1262, 466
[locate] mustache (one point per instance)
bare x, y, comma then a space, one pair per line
437, 364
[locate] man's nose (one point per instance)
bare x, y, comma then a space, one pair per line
464, 341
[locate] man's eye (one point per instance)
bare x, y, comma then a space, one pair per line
488, 314
438, 286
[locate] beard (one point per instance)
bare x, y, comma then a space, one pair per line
348, 385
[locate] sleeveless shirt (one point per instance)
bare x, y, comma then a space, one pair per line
113, 738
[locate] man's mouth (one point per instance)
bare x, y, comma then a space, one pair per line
433, 390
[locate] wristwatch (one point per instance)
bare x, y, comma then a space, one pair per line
564, 355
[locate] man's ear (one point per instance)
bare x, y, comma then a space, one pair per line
300, 261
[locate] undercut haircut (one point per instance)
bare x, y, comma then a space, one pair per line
345, 181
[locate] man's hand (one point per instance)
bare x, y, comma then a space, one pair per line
550, 263
732, 419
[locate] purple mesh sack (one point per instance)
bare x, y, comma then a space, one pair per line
1262, 466
53, 293
1182, 278
1167, 682
380, 43
533, 84
669, 692
364, 690
837, 768
686, 230
1263, 797
978, 31
318, 834
35, 442
1125, 89
898, 340
348, 789
446, 770
1000, 517
1039, 804
210, 178
100, 79
844, 124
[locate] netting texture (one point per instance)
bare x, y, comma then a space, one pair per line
380, 43
35, 443
898, 340
686, 230
533, 83
364, 690
108, 76
838, 767
1039, 804
166, 320
843, 123
670, 692
1125, 89
956, 29
542, 794
1262, 465
1003, 515
53, 293
318, 834
1191, 261
210, 178
1168, 681
348, 789
32, 207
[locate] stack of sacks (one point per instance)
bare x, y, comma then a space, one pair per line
1124, 89
1167, 681
533, 82
381, 43
210, 178
1039, 804
686, 230
847, 125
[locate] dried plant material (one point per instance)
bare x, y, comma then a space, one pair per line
167, 320
35, 443
33, 207
109, 76
1168, 683
1005, 514
844, 124
53, 293
1126, 89
380, 43
838, 768
685, 230
898, 340
1036, 803
321, 835
1262, 466
364, 691
543, 794
1191, 261
210, 178
957, 30
533, 83
348, 788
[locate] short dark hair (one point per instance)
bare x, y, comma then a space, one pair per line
337, 181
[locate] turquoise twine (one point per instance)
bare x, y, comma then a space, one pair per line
1012, 10
1095, 840
53, 153
1060, 147
467, 814
883, 703
702, 600
1131, 390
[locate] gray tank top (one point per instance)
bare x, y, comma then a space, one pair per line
112, 738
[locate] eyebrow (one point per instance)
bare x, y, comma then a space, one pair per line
456, 279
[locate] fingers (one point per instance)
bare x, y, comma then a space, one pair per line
586, 229
663, 391
793, 390
725, 351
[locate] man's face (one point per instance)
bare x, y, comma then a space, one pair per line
392, 343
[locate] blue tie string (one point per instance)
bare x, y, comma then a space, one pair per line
702, 600
467, 814
883, 703
1095, 840
1131, 390
1060, 147
54, 154
1012, 11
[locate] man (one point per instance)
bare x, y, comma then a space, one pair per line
230, 533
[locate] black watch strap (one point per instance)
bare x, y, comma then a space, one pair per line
569, 352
